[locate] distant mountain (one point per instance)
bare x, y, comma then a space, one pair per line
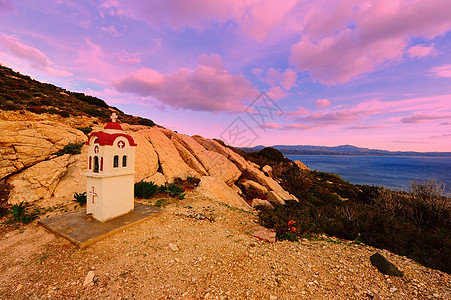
343, 150
20, 92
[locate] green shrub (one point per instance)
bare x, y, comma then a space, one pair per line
146, 190
85, 130
80, 198
175, 191
71, 148
189, 184
19, 213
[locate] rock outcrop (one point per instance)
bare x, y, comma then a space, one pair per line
216, 189
39, 181
146, 156
170, 162
301, 165
216, 164
34, 173
25, 143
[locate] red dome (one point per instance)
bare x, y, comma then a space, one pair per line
113, 125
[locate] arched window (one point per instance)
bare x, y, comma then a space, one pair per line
116, 161
90, 162
96, 164
124, 161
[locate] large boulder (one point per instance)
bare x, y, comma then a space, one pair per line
190, 159
73, 180
216, 189
171, 163
146, 157
39, 181
214, 163
156, 178
384, 265
250, 184
215, 146
278, 194
25, 143
301, 165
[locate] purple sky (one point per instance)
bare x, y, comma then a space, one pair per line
373, 73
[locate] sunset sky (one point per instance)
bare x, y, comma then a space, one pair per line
370, 73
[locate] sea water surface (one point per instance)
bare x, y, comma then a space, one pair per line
393, 172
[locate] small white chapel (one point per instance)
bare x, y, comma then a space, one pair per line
110, 174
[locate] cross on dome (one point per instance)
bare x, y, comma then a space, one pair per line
113, 117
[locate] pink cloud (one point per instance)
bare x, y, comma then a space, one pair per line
257, 71
363, 36
420, 50
126, 57
296, 126
206, 88
111, 30
365, 127
270, 126
285, 79
334, 117
33, 55
276, 93
423, 118
24, 51
288, 79
178, 14
322, 103
263, 16
442, 71
301, 111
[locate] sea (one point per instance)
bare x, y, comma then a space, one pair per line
393, 172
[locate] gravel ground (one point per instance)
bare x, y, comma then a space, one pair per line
201, 249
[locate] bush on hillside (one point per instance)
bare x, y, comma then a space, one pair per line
415, 224
71, 148
146, 190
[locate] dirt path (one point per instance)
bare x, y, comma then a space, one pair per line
181, 254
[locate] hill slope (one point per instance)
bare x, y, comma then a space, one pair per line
21, 92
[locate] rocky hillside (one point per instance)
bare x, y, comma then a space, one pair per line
21, 93
34, 165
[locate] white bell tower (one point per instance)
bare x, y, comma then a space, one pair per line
110, 176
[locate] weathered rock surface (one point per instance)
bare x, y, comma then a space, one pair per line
25, 143
277, 194
215, 164
156, 178
146, 158
213, 145
266, 235
216, 189
301, 165
384, 265
260, 202
255, 185
169, 159
190, 159
267, 170
74, 180
39, 181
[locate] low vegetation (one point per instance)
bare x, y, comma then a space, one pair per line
149, 190
80, 198
146, 190
71, 148
416, 224
19, 213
